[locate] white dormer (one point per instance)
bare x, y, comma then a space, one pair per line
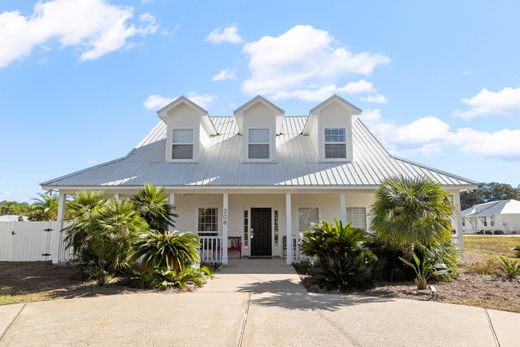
188, 130
259, 121
329, 126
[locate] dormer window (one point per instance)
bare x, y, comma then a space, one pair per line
258, 144
335, 143
182, 144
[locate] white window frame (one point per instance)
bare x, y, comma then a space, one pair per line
217, 216
366, 216
300, 207
325, 143
269, 158
193, 146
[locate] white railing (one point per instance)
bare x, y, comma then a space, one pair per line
211, 249
296, 251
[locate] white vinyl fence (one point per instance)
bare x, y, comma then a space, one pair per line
31, 241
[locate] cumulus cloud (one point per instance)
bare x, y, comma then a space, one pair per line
375, 99
303, 62
228, 34
224, 75
430, 135
505, 102
156, 102
314, 93
94, 26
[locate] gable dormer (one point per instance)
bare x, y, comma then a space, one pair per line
329, 126
188, 130
259, 121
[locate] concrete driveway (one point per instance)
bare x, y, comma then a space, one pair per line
253, 303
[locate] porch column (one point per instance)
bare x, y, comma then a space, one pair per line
172, 203
288, 227
458, 224
57, 231
225, 201
117, 196
343, 207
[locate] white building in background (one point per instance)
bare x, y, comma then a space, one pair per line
13, 218
502, 216
254, 180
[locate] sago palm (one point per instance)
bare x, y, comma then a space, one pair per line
171, 252
153, 204
407, 212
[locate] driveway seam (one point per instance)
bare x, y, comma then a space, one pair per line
12, 321
244, 321
493, 332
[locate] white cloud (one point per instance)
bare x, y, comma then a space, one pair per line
225, 74
229, 34
430, 135
155, 102
94, 26
505, 102
302, 63
376, 99
313, 93
467, 72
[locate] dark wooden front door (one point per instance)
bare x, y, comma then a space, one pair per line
261, 231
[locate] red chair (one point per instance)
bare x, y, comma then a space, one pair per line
235, 244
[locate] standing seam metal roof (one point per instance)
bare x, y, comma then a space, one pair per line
221, 163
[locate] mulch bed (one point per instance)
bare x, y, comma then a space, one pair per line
468, 289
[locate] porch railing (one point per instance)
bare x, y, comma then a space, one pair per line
211, 249
296, 250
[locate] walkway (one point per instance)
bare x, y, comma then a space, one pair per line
253, 302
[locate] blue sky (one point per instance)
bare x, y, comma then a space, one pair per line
80, 80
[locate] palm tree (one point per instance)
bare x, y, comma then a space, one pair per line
411, 212
45, 207
152, 202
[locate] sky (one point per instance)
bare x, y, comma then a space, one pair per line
81, 80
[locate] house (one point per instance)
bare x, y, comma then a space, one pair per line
494, 217
258, 175
13, 218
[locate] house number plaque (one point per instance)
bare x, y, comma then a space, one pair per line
225, 216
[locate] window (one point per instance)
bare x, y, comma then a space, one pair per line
307, 216
335, 143
258, 144
208, 220
484, 221
276, 229
246, 228
492, 220
182, 144
358, 217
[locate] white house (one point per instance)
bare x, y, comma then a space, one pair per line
258, 175
502, 216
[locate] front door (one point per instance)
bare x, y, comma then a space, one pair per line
261, 231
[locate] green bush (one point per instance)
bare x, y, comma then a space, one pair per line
166, 252
342, 260
166, 279
516, 249
509, 267
153, 204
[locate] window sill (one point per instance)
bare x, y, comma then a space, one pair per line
259, 161
182, 161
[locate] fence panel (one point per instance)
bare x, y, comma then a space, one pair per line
26, 241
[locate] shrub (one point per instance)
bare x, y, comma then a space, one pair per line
424, 269
153, 204
516, 249
342, 261
166, 252
407, 212
166, 279
509, 267
388, 266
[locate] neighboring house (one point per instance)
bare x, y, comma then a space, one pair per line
502, 216
13, 218
258, 175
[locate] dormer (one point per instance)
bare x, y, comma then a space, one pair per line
259, 121
188, 130
329, 127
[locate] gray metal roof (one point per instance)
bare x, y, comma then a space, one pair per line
221, 165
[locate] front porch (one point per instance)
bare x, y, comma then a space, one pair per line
256, 223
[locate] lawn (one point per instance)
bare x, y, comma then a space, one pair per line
479, 248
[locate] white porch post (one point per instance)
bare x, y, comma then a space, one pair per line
56, 232
288, 227
458, 224
117, 196
172, 203
225, 209
343, 207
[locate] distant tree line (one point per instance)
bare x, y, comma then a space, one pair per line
43, 208
489, 192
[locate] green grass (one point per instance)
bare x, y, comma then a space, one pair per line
7, 297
